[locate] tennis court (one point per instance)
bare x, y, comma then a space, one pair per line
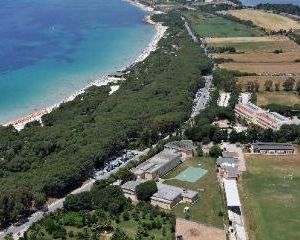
191, 174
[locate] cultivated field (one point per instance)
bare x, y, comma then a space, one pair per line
255, 44
207, 25
286, 57
268, 21
258, 54
282, 98
195, 231
263, 68
262, 79
206, 209
270, 194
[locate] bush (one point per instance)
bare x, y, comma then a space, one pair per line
199, 152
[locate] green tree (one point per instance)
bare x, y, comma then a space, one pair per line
125, 175
199, 151
288, 84
215, 151
119, 235
77, 202
145, 190
9, 237
277, 87
268, 85
298, 87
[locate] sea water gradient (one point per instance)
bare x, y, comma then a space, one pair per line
51, 48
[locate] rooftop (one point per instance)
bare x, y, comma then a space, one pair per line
232, 172
231, 192
157, 161
181, 145
131, 185
226, 160
279, 117
168, 193
227, 154
272, 146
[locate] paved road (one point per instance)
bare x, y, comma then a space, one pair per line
195, 39
202, 96
18, 231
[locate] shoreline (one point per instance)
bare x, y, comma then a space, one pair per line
103, 80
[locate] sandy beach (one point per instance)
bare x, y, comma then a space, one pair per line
103, 80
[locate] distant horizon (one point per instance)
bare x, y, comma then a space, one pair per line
255, 2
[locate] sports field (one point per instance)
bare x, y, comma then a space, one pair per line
271, 197
268, 21
191, 174
208, 25
206, 209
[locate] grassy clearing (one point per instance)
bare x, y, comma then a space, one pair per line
268, 21
283, 98
272, 204
210, 202
208, 25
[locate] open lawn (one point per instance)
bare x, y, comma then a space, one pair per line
261, 80
271, 199
207, 25
282, 97
206, 209
268, 21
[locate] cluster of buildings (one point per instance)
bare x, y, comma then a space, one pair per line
166, 197
157, 166
261, 117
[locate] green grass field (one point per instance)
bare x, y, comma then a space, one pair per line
208, 25
206, 209
281, 97
271, 203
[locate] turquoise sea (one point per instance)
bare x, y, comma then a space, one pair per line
51, 48
255, 2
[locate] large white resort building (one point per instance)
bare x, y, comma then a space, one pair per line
261, 117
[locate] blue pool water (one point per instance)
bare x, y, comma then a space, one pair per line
255, 2
51, 48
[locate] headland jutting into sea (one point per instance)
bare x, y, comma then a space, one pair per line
103, 80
